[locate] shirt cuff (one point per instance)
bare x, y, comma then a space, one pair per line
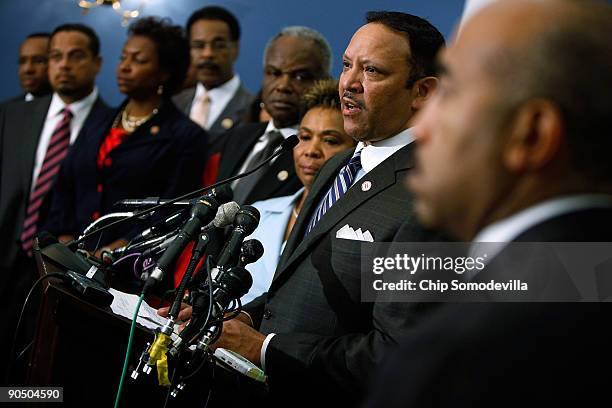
264, 347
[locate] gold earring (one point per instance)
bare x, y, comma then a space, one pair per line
160, 90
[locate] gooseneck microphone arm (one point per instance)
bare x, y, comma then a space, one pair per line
288, 144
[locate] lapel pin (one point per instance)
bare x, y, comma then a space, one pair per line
154, 130
366, 185
282, 175
227, 123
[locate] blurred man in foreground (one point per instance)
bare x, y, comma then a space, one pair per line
514, 147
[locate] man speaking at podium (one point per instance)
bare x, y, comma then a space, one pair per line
316, 339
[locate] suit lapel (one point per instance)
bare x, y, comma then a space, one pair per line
381, 177
35, 115
319, 187
274, 176
238, 151
232, 112
184, 100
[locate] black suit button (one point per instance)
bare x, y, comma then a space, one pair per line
267, 314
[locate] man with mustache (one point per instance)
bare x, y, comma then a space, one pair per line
514, 148
219, 100
311, 333
293, 60
35, 139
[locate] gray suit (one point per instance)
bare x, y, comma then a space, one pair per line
326, 337
230, 116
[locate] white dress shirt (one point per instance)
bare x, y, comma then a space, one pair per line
377, 152
80, 110
219, 98
499, 233
372, 155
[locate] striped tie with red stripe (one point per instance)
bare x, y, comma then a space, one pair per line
56, 152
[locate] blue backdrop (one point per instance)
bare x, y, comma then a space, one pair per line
260, 19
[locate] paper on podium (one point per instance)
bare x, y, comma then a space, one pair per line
124, 305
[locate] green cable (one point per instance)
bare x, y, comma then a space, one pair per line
129, 349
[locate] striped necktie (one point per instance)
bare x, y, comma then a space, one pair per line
342, 182
56, 152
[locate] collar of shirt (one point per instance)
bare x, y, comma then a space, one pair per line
377, 152
498, 234
511, 227
219, 97
28, 97
79, 109
286, 132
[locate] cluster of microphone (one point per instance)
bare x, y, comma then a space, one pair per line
217, 227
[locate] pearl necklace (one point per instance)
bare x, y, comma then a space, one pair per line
131, 123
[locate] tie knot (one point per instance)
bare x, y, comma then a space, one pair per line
205, 97
355, 161
66, 112
275, 137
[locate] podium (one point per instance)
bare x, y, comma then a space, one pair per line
82, 347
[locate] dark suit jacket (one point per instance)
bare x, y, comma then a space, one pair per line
234, 111
162, 158
21, 124
278, 179
327, 340
508, 354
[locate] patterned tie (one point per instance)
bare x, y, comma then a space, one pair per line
343, 181
199, 113
56, 152
245, 185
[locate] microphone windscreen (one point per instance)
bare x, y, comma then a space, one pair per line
226, 214
251, 251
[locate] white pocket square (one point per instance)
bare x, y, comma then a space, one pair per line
348, 232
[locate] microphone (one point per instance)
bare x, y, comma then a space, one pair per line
250, 252
227, 286
153, 246
245, 223
223, 194
201, 213
168, 224
287, 145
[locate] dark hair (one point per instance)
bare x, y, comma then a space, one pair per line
424, 39
94, 41
216, 13
171, 45
323, 94
39, 35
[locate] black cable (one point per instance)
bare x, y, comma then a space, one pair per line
172, 385
212, 381
25, 303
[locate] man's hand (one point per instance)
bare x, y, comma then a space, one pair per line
241, 338
184, 314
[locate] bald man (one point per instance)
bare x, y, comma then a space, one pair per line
514, 146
